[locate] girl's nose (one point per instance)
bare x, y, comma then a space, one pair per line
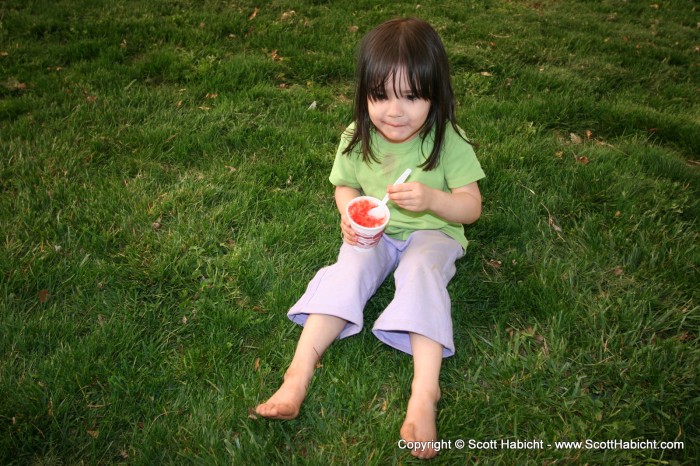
395, 108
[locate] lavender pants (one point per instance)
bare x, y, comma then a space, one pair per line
423, 265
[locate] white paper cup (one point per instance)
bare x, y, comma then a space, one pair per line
367, 237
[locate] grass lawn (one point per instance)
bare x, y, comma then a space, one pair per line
164, 199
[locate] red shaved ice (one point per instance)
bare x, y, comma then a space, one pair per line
359, 212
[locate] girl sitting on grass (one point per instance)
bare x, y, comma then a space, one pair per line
404, 117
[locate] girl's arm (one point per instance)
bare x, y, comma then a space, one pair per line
461, 205
343, 196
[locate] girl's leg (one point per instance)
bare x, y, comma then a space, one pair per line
319, 332
341, 290
421, 303
420, 424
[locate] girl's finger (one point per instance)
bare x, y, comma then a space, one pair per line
398, 188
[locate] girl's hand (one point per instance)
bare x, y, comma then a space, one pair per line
349, 235
460, 205
343, 196
413, 196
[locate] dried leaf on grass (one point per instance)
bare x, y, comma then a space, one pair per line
43, 295
529, 332
551, 222
276, 56
583, 160
575, 138
556, 227
494, 263
288, 14
13, 84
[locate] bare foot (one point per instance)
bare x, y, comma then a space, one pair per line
420, 424
287, 400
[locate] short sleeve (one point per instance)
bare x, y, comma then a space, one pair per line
461, 167
344, 171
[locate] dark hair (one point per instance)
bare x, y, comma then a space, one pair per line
413, 46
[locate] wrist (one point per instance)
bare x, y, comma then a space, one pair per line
435, 199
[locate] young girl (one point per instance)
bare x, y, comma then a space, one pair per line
404, 117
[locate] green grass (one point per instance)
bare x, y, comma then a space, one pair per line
164, 200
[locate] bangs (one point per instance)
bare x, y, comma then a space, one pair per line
410, 57
393, 77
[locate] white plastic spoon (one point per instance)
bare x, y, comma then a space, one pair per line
378, 212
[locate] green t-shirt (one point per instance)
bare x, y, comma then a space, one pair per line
458, 167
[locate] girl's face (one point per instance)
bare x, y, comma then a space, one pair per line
397, 114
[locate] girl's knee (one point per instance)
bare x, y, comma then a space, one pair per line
433, 253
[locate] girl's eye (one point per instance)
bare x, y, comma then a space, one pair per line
411, 97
